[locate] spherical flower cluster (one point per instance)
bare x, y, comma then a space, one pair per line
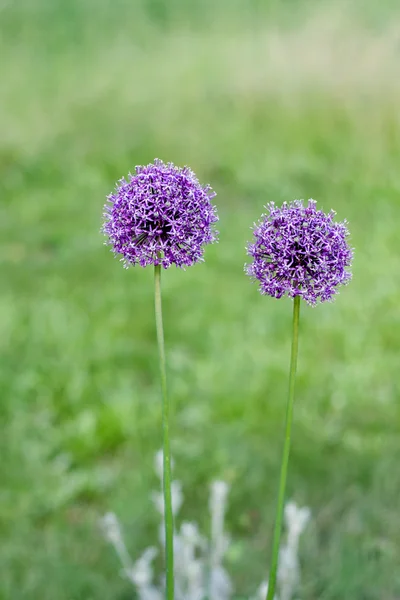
161, 215
300, 251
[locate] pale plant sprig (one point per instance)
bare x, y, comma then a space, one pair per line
200, 573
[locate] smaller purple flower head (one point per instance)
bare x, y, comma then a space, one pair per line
300, 251
161, 215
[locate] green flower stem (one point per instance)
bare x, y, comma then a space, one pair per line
168, 515
286, 451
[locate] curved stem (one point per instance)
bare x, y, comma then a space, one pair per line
286, 451
168, 515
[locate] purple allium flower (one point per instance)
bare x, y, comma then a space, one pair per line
300, 251
162, 215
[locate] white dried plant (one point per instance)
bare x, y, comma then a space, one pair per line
199, 570
288, 568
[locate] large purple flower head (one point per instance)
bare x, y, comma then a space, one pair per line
300, 251
161, 215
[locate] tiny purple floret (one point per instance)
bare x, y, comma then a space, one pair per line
300, 251
161, 215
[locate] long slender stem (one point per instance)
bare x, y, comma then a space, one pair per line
168, 515
286, 451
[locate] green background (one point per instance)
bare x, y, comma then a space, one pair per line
265, 101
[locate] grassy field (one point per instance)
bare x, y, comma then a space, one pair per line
264, 103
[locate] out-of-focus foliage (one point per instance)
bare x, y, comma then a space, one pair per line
266, 101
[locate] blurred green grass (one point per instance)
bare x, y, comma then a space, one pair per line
266, 102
